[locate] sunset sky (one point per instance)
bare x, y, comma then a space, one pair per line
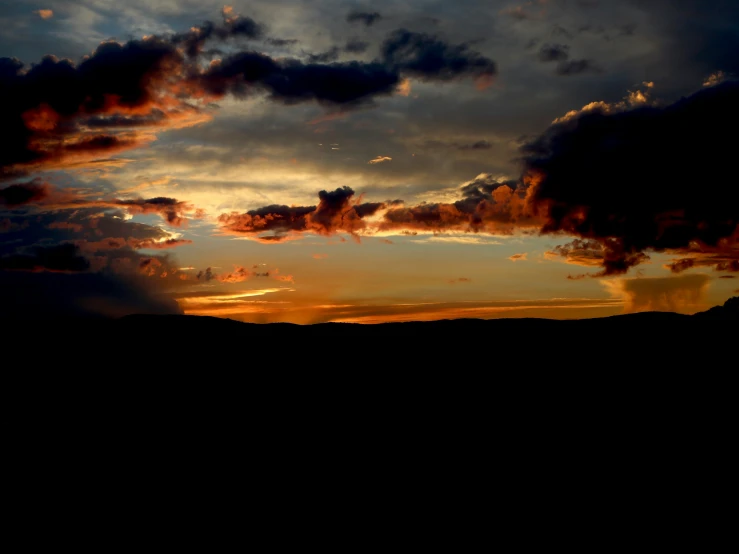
332, 160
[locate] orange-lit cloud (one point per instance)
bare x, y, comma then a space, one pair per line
337, 211
486, 206
239, 274
379, 160
518, 257
44, 14
484, 82
404, 88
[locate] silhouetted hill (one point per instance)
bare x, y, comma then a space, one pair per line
197, 325
728, 312
630, 340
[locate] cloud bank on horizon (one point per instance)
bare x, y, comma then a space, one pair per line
614, 183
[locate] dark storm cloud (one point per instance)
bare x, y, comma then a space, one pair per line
194, 40
38, 296
428, 57
282, 42
56, 113
366, 18
61, 258
67, 279
330, 55
644, 179
41, 105
23, 193
292, 81
554, 52
77, 256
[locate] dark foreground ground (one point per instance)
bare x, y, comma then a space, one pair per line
474, 379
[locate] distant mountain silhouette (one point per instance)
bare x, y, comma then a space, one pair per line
728, 312
172, 341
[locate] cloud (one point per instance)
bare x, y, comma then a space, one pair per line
518, 12
379, 160
356, 46
42, 197
282, 42
436, 144
715, 78
518, 257
577, 67
292, 81
685, 294
641, 96
66, 252
477, 145
366, 18
239, 274
233, 26
23, 193
632, 181
46, 106
454, 239
60, 114
486, 206
404, 88
554, 52
728, 261
38, 296
48, 270
330, 55
429, 58
459, 280
44, 14
58, 258
337, 211
606, 253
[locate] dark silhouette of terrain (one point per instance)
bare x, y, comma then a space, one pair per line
194, 326
467, 377
175, 339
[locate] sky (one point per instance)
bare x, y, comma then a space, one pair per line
334, 160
